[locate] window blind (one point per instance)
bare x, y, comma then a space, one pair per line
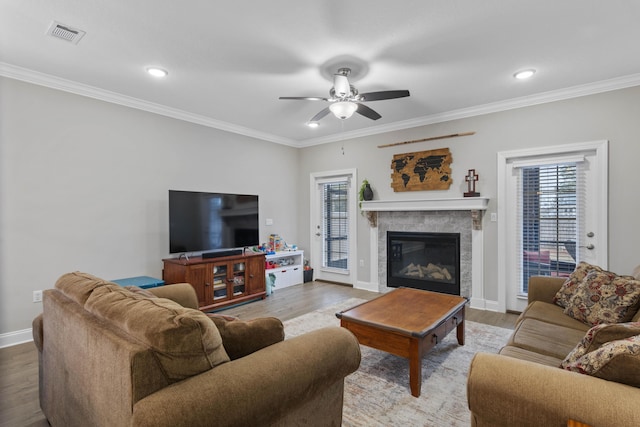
549, 219
335, 223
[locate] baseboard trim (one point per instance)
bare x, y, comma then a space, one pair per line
366, 286
16, 337
492, 306
483, 304
477, 303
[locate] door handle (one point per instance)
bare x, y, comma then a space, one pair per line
318, 234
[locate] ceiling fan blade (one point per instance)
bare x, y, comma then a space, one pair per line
341, 85
320, 115
367, 112
304, 98
385, 94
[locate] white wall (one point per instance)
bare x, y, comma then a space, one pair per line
83, 186
612, 116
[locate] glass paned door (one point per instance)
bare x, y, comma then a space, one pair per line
335, 225
552, 212
333, 231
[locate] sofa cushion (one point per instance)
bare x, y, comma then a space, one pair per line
241, 338
617, 360
184, 340
600, 335
568, 288
531, 356
78, 286
140, 291
545, 338
604, 297
551, 313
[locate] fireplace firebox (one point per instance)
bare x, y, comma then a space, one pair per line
428, 261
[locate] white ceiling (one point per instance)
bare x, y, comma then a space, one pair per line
229, 62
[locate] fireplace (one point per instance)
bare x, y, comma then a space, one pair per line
424, 260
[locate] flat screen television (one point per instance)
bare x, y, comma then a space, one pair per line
211, 221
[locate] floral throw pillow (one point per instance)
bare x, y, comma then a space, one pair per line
569, 286
604, 297
617, 360
599, 335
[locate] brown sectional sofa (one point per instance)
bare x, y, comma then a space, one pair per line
523, 384
109, 356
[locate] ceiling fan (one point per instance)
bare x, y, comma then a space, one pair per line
345, 99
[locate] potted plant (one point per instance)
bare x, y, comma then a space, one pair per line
366, 194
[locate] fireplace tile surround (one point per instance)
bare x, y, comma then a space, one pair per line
455, 215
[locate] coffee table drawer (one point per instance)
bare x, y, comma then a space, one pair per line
437, 335
452, 323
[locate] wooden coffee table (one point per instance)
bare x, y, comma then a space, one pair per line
408, 323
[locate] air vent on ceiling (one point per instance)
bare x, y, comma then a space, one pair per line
65, 32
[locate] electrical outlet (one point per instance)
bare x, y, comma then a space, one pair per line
494, 217
361, 263
37, 296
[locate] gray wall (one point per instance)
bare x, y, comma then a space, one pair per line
612, 116
84, 183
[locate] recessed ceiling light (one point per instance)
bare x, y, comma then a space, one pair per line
524, 74
313, 124
157, 72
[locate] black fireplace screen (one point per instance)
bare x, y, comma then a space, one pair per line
428, 261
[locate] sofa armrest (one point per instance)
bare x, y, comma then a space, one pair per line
36, 331
182, 293
544, 288
258, 389
504, 391
241, 338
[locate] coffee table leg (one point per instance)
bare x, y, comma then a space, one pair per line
415, 367
460, 332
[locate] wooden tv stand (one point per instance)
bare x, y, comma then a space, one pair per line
219, 282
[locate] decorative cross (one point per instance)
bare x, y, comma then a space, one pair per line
471, 179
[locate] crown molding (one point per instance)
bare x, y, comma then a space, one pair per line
42, 79
47, 80
494, 107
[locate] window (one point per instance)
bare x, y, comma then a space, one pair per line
548, 212
335, 223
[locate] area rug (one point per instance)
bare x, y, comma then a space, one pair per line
378, 393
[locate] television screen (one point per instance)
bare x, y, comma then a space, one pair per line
211, 221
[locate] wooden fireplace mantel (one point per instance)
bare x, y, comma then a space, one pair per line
450, 204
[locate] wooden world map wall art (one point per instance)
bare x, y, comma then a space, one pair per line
422, 171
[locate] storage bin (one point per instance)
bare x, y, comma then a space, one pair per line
308, 275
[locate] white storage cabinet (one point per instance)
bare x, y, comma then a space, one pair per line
289, 268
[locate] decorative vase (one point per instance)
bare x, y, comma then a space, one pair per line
367, 193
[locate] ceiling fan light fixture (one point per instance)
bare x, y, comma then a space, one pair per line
343, 109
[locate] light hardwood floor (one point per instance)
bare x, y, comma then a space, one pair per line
19, 405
